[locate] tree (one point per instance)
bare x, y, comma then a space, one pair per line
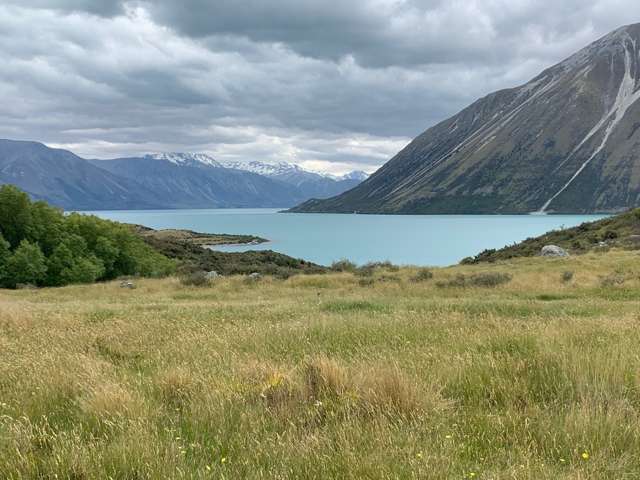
108, 253
15, 214
71, 262
27, 265
5, 254
47, 226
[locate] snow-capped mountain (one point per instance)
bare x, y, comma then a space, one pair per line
567, 141
311, 184
190, 159
358, 175
264, 168
160, 180
287, 172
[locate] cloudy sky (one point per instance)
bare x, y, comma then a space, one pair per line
332, 85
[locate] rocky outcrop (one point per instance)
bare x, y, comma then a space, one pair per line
553, 251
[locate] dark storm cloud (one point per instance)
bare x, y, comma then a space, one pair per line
327, 84
401, 32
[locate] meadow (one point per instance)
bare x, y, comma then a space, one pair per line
525, 369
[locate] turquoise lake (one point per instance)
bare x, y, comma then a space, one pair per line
323, 238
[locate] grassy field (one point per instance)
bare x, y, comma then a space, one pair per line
392, 375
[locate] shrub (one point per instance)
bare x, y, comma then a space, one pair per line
195, 279
5, 254
567, 276
343, 265
612, 280
366, 282
387, 265
489, 279
423, 275
365, 271
485, 279
26, 265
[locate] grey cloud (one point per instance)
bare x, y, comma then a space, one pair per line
94, 7
381, 33
331, 84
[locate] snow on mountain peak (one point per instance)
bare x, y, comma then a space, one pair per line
268, 169
187, 159
355, 175
281, 170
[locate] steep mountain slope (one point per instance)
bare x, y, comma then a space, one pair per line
68, 181
567, 141
311, 184
188, 181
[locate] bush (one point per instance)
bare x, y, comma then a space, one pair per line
26, 265
612, 280
485, 279
366, 282
5, 254
490, 279
195, 279
567, 276
423, 275
343, 265
387, 265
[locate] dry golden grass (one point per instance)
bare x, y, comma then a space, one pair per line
328, 376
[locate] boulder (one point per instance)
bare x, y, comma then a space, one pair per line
553, 251
212, 275
255, 276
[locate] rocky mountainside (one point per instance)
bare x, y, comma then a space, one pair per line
568, 141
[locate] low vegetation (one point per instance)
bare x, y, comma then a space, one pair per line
40, 246
621, 231
194, 258
205, 239
320, 376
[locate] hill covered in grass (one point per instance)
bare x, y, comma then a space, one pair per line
406, 375
622, 231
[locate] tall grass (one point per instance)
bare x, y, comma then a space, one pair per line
324, 377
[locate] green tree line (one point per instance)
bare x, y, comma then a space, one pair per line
41, 246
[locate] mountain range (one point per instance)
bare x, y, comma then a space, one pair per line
568, 141
166, 180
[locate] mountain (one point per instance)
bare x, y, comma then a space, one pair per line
198, 181
357, 175
568, 141
164, 180
311, 184
68, 181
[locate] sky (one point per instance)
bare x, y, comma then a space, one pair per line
331, 85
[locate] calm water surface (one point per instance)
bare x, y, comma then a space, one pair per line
324, 238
